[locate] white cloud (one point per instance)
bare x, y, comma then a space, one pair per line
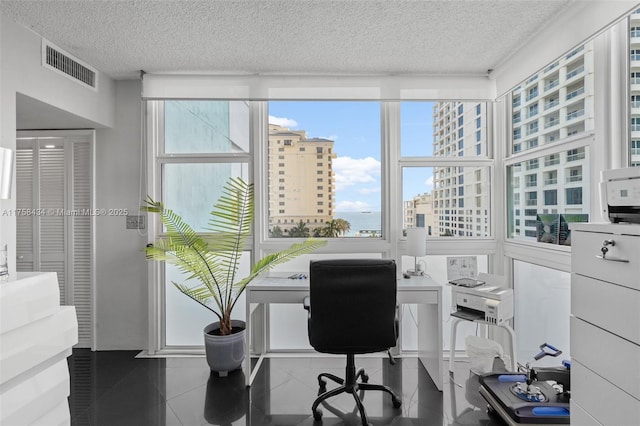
352, 171
429, 183
283, 121
369, 191
352, 206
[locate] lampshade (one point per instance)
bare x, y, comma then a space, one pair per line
6, 172
416, 242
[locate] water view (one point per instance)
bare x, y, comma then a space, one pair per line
363, 224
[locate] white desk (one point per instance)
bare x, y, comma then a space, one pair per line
423, 291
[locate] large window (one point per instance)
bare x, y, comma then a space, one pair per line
326, 174
566, 92
324, 166
440, 190
200, 145
554, 179
560, 183
443, 206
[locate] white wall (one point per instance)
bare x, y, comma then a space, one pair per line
121, 267
21, 72
121, 296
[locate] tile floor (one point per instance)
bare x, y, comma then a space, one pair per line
116, 389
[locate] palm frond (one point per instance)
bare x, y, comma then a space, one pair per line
269, 261
200, 295
231, 220
213, 260
182, 246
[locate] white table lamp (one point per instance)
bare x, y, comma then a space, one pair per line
416, 247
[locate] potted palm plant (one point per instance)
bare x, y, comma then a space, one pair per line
210, 265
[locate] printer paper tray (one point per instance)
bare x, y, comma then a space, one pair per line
468, 315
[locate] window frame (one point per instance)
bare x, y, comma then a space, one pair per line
157, 158
600, 158
461, 244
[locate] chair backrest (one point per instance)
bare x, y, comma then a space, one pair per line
353, 305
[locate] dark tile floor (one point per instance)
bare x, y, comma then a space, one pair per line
115, 388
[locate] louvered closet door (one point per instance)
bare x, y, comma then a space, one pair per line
51, 166
80, 270
54, 179
24, 201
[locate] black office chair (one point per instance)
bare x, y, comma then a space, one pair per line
352, 310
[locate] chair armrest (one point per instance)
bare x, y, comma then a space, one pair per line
306, 303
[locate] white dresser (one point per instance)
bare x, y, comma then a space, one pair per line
36, 337
605, 324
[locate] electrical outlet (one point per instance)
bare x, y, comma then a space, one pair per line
135, 222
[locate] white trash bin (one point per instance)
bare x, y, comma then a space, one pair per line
481, 353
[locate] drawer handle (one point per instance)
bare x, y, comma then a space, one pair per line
604, 249
612, 259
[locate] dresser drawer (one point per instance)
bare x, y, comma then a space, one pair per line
608, 306
607, 355
586, 246
605, 402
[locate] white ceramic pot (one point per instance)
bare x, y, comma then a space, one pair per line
224, 353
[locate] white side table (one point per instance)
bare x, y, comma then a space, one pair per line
505, 325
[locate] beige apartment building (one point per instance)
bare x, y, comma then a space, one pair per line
301, 180
418, 213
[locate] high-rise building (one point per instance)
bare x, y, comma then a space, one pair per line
461, 195
634, 72
553, 105
301, 180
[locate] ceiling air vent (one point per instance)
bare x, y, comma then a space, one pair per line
58, 60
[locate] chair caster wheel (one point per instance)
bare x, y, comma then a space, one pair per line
317, 415
365, 378
396, 402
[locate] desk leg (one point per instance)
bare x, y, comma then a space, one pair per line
246, 365
512, 335
430, 341
254, 339
452, 343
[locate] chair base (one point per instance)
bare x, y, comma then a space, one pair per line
350, 385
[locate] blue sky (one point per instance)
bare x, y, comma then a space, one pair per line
355, 129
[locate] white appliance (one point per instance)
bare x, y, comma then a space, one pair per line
620, 194
489, 303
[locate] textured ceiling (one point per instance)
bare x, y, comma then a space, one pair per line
378, 37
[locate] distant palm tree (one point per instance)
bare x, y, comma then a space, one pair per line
331, 229
343, 225
334, 228
300, 230
276, 232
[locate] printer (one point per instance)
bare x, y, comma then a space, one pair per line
487, 302
620, 194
